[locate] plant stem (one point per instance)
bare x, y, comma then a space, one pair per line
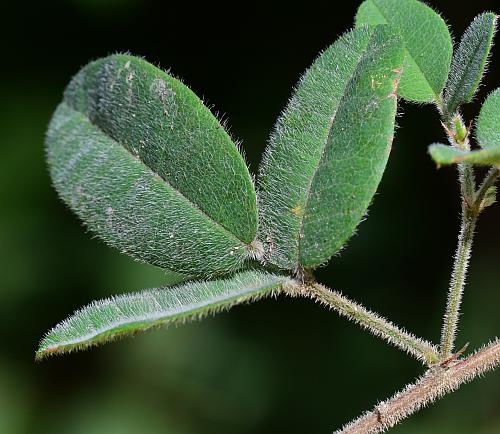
457, 284
378, 326
434, 384
471, 208
467, 184
470, 212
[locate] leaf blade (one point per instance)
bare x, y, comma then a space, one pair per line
488, 122
426, 66
361, 65
106, 320
116, 162
469, 61
445, 155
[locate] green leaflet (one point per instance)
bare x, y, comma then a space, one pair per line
488, 135
329, 149
428, 46
106, 320
443, 154
469, 62
147, 167
488, 122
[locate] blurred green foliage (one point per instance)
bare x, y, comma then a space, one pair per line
275, 366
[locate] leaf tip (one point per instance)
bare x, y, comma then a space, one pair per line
44, 352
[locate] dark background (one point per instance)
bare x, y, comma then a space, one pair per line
275, 366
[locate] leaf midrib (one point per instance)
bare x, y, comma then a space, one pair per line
158, 176
326, 140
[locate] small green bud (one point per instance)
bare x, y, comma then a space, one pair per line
461, 131
489, 198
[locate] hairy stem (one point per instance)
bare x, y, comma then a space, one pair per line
378, 326
471, 208
470, 212
435, 383
457, 284
467, 184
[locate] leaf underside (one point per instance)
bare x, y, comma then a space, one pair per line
428, 45
329, 149
469, 62
149, 169
106, 320
443, 155
488, 122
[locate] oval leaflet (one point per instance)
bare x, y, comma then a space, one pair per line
147, 167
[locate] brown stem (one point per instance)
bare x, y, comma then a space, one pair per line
435, 383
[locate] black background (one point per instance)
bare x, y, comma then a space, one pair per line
275, 366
